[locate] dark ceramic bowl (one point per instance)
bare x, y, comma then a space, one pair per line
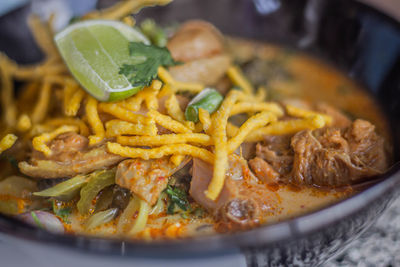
362, 42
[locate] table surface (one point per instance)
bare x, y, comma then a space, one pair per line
379, 246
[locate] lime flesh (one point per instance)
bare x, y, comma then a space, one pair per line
94, 51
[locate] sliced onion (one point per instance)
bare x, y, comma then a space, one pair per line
100, 218
43, 219
141, 220
98, 181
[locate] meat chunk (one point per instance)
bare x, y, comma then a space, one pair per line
146, 178
200, 46
194, 40
276, 151
70, 156
243, 199
207, 71
366, 145
65, 146
247, 150
324, 157
329, 157
264, 171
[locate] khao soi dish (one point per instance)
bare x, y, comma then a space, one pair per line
131, 130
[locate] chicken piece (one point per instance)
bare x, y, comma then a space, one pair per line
201, 47
264, 171
70, 156
207, 71
146, 178
243, 201
194, 40
326, 157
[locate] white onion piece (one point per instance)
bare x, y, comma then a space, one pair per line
100, 218
42, 219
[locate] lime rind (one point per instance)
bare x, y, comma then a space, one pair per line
117, 96
94, 58
130, 33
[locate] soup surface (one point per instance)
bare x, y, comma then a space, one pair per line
233, 135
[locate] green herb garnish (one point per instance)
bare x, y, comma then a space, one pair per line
63, 213
198, 212
208, 99
176, 197
155, 33
147, 59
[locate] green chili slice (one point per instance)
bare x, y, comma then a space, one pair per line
209, 99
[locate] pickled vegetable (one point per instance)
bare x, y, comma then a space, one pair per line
105, 199
97, 182
65, 191
100, 218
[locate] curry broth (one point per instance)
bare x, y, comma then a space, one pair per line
292, 203
309, 79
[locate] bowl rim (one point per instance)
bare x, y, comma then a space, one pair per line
215, 245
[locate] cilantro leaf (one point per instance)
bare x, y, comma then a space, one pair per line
62, 212
144, 62
176, 197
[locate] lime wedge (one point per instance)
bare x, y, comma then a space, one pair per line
94, 51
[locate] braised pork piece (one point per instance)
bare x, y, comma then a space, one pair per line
324, 157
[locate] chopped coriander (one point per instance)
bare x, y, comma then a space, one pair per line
176, 197
63, 212
198, 212
147, 59
184, 215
